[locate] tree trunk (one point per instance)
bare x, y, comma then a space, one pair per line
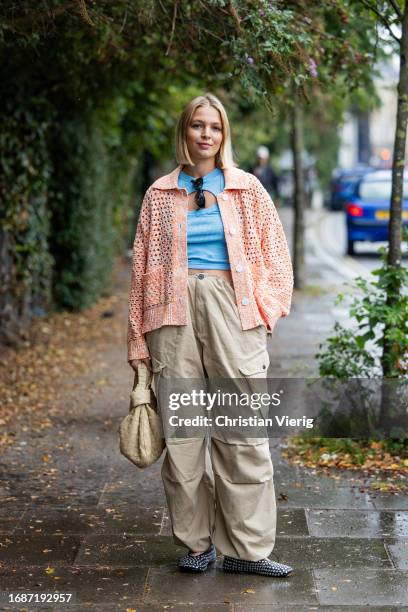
299, 194
390, 353
395, 225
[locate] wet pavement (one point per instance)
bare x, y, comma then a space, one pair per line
90, 523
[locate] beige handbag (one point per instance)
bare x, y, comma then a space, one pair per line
140, 430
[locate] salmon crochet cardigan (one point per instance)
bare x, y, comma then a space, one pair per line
259, 257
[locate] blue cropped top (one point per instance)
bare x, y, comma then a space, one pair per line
206, 246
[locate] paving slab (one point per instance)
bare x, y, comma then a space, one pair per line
309, 553
92, 520
319, 497
367, 587
335, 480
11, 511
63, 498
95, 584
28, 549
291, 522
9, 524
162, 607
398, 551
128, 549
209, 608
218, 587
311, 608
357, 523
129, 604
146, 492
390, 502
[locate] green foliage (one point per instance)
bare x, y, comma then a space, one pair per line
25, 169
380, 315
72, 152
84, 236
358, 451
345, 355
112, 78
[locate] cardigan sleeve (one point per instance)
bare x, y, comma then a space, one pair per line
278, 288
136, 342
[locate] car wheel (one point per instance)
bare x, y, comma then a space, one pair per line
350, 247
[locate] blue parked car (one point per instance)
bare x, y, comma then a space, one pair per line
342, 182
368, 209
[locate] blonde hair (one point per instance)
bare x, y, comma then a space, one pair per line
224, 157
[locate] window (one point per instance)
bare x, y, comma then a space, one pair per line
378, 190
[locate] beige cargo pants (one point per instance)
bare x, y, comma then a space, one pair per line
216, 491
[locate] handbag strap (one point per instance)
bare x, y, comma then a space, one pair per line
142, 391
140, 396
143, 376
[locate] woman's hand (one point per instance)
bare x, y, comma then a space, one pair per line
134, 363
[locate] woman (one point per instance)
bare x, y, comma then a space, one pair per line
211, 276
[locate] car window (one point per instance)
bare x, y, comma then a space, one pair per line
378, 190
350, 178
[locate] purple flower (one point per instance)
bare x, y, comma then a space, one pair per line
312, 68
250, 60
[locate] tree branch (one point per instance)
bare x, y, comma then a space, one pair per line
381, 18
396, 8
84, 12
173, 27
233, 12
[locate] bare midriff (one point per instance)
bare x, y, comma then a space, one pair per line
210, 199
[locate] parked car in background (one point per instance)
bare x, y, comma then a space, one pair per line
368, 208
343, 182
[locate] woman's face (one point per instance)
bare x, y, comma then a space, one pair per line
204, 134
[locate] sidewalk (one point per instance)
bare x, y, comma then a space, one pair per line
296, 338
87, 521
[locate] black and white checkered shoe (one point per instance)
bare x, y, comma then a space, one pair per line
198, 563
266, 567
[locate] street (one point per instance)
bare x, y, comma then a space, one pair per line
327, 230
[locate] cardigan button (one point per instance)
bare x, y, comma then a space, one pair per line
224, 196
245, 301
233, 230
239, 268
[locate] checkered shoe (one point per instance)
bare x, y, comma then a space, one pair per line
265, 567
198, 563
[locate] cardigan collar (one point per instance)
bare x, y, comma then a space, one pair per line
235, 178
